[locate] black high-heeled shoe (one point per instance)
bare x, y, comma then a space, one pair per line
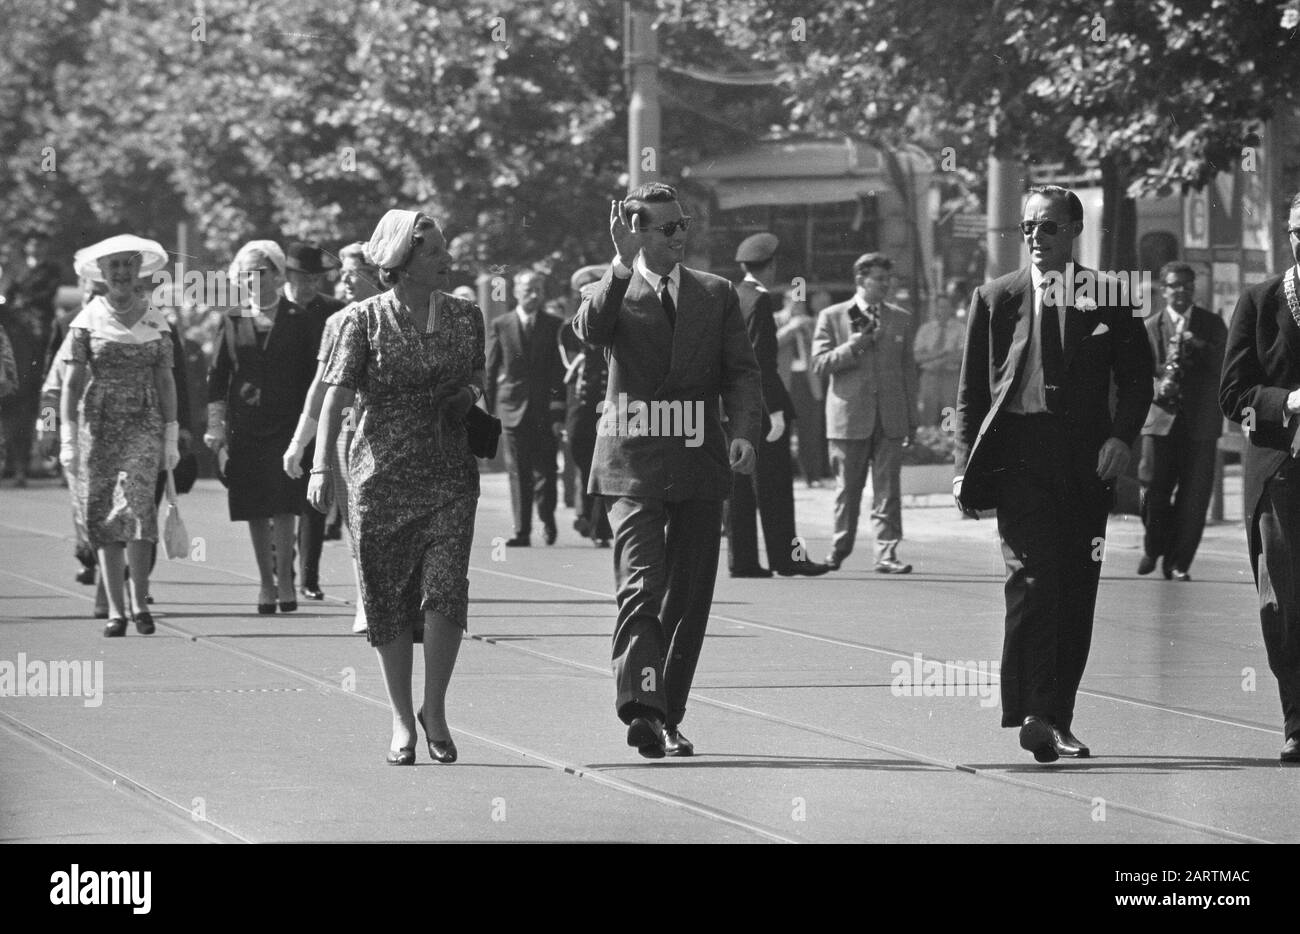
143, 623
288, 606
265, 607
443, 751
116, 627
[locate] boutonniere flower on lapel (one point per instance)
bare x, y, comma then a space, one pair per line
1086, 305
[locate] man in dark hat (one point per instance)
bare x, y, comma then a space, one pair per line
770, 491
304, 271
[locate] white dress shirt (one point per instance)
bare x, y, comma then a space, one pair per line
1032, 397
674, 277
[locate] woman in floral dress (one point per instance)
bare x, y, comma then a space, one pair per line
414, 357
119, 418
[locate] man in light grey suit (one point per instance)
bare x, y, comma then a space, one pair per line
865, 346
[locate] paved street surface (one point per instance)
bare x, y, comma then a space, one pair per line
229, 726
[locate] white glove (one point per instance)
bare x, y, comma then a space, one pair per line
68, 447
778, 427
171, 445
302, 436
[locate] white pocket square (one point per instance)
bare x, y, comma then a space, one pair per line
1101, 329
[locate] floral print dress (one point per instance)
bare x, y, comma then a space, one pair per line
411, 504
120, 422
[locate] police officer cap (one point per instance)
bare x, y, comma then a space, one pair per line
587, 275
757, 249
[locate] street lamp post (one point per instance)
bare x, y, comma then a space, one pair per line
641, 64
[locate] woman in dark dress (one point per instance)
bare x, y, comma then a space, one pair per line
414, 358
262, 366
360, 281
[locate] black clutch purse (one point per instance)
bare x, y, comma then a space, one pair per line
483, 431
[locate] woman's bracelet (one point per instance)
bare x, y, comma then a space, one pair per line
321, 470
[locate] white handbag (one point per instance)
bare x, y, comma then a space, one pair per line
176, 541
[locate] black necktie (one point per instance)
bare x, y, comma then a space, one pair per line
664, 297
1053, 359
528, 328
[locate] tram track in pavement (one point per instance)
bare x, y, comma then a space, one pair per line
170, 808
681, 802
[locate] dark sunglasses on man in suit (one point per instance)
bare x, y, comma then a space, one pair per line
1051, 228
670, 228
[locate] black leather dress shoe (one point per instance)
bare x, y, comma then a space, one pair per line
143, 623
647, 735
675, 744
1181, 575
751, 572
1037, 736
519, 541
549, 533
804, 568
115, 627
1068, 745
892, 566
1146, 565
313, 593
1291, 750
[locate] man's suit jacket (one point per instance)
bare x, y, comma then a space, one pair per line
759, 312
1260, 369
1102, 345
706, 356
1198, 406
525, 378
880, 381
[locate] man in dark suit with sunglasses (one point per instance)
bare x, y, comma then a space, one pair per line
676, 343
1261, 373
1037, 441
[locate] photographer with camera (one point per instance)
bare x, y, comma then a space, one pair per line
864, 347
1182, 427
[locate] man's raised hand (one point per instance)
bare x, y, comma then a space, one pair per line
626, 233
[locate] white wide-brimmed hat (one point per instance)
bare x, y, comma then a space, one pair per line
86, 261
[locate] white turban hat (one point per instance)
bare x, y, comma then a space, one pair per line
254, 252
391, 241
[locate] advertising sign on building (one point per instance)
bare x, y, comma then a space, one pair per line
1196, 220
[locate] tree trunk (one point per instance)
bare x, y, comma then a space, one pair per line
1118, 219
